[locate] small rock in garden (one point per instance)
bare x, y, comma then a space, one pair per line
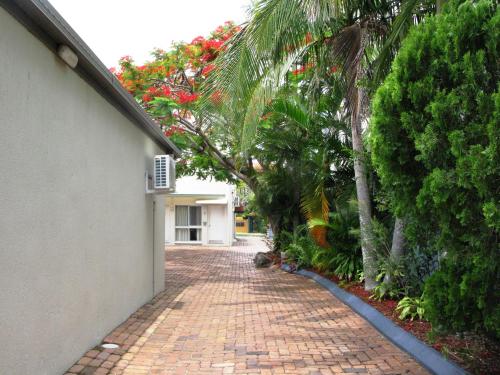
262, 260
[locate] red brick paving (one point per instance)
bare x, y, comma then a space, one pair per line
220, 315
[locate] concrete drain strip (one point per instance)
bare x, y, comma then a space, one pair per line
431, 359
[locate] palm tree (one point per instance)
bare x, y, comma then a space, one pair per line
326, 33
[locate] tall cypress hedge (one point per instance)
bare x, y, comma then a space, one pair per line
434, 138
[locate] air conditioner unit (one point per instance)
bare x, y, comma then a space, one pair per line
163, 175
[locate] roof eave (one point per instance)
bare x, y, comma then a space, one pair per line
43, 21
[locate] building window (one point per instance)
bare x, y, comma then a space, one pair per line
187, 223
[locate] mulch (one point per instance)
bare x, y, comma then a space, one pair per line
475, 353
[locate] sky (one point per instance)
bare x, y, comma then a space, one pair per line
115, 28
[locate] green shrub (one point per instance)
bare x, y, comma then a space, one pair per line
344, 258
322, 259
347, 265
411, 307
302, 252
282, 240
434, 138
344, 265
389, 289
301, 248
466, 290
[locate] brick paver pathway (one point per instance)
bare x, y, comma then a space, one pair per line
220, 315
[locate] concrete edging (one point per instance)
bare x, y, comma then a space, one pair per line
428, 357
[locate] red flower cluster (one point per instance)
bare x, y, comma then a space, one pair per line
302, 69
173, 129
185, 98
198, 40
213, 45
159, 91
166, 91
154, 91
208, 57
207, 69
208, 49
298, 71
176, 74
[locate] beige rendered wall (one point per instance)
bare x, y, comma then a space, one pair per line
76, 228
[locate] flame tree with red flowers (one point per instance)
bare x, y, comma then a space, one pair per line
206, 126
168, 87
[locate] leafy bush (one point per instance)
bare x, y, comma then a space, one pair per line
302, 252
347, 265
434, 138
301, 248
418, 265
465, 289
403, 277
344, 265
344, 258
282, 240
391, 277
411, 308
391, 287
343, 228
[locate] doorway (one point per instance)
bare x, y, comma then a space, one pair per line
217, 227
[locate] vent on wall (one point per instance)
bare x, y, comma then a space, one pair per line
163, 176
164, 169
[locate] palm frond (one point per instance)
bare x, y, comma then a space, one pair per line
257, 58
347, 51
264, 91
398, 31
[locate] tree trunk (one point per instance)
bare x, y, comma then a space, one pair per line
360, 108
274, 224
398, 240
439, 5
364, 206
397, 247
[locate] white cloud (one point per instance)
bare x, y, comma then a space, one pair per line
114, 28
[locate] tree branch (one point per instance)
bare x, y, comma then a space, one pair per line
218, 155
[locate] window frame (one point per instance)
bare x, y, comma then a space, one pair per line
188, 227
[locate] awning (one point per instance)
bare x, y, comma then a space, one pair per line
212, 201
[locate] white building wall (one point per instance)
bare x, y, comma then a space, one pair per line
76, 229
189, 190
170, 203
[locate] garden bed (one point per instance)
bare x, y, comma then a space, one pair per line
475, 353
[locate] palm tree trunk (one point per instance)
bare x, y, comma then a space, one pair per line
364, 204
359, 111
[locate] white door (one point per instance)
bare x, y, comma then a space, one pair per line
217, 228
